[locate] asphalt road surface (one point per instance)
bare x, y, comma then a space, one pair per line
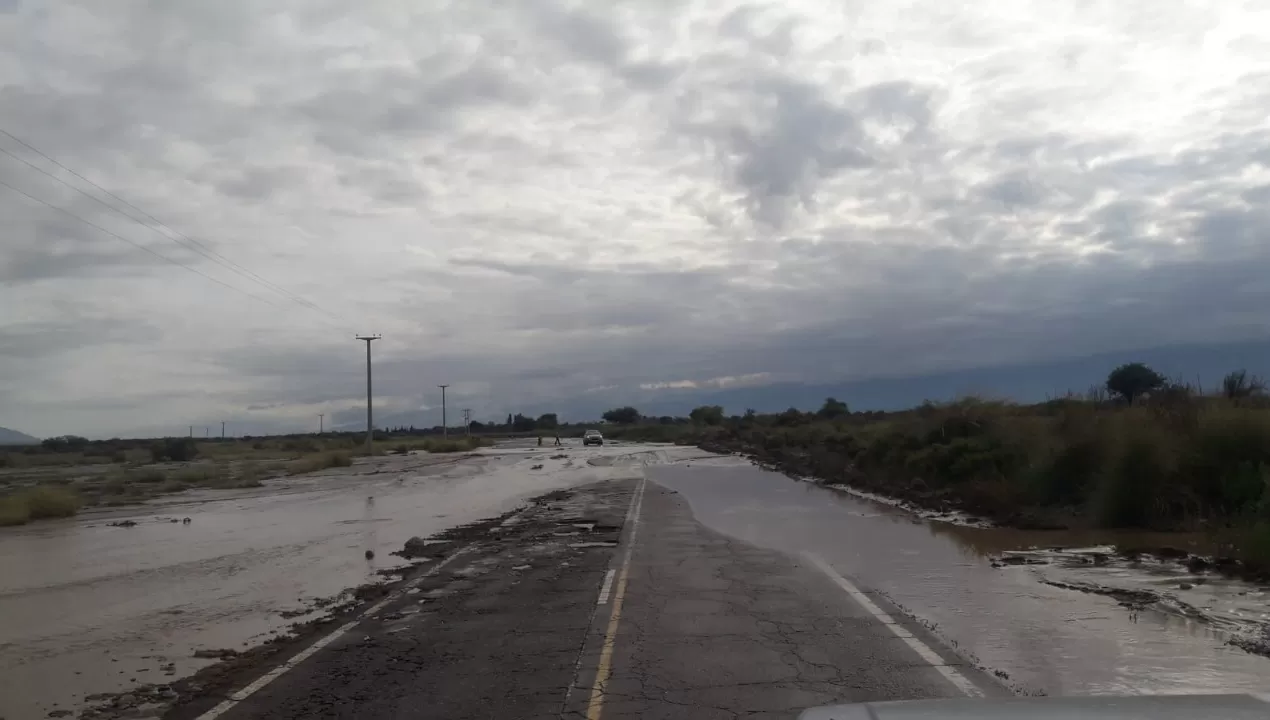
605, 601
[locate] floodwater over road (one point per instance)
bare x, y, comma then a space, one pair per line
86, 607
1047, 639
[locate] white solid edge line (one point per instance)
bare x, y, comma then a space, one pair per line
961, 682
606, 588
308, 652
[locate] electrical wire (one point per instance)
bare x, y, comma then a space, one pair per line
135, 244
191, 243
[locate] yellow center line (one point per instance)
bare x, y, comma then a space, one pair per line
604, 669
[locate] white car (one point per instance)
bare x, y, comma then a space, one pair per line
592, 437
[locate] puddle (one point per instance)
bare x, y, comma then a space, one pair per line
1015, 618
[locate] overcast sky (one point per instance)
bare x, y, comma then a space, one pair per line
540, 200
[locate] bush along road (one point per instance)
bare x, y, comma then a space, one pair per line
1176, 460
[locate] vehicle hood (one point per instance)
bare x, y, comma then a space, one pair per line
1138, 707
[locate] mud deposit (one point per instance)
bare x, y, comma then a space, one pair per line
119, 613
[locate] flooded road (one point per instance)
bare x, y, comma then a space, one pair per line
86, 607
1046, 639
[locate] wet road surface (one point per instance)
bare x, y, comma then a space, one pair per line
1045, 639
713, 627
666, 620
742, 590
88, 608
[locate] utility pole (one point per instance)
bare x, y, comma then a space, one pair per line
445, 431
321, 423
370, 415
207, 432
191, 431
222, 429
467, 420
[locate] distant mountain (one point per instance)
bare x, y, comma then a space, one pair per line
13, 437
1202, 365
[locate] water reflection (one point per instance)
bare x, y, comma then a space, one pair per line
1047, 639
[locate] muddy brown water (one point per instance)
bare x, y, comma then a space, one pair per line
1046, 639
87, 608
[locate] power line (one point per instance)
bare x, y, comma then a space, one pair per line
191, 243
135, 244
198, 246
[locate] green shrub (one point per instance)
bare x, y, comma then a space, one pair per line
449, 445
1227, 456
13, 511
320, 461
195, 474
300, 446
249, 474
148, 475
1250, 543
1129, 488
1070, 473
174, 449
37, 503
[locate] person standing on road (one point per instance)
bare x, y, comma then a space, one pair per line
539, 441
558, 439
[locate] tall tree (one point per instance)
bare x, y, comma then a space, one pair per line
623, 416
707, 415
833, 408
1132, 380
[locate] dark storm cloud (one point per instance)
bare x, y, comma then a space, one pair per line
536, 201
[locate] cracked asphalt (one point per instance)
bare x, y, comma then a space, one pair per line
715, 628
506, 624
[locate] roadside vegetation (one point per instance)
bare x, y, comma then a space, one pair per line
1138, 452
458, 443
62, 475
37, 503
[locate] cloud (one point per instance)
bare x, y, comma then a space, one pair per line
562, 205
